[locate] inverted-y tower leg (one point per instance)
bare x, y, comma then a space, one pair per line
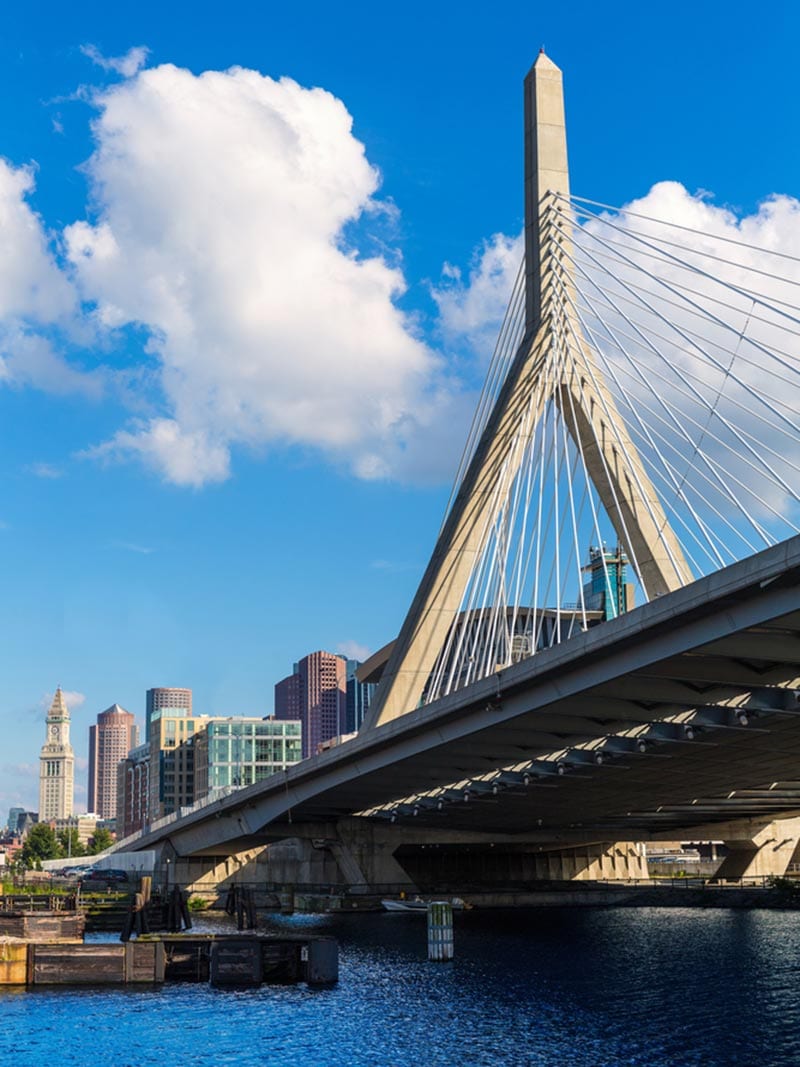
611, 459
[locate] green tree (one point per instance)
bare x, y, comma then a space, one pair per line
70, 842
100, 841
40, 844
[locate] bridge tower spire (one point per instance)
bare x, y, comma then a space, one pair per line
537, 374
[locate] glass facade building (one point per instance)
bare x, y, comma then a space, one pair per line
236, 752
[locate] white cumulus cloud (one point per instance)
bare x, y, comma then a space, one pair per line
127, 65
38, 303
223, 204
471, 310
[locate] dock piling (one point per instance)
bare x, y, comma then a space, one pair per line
441, 946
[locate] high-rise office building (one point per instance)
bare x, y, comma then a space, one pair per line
174, 702
13, 819
287, 697
133, 791
359, 695
170, 727
56, 764
317, 698
238, 751
110, 741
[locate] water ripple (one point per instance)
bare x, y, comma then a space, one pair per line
558, 988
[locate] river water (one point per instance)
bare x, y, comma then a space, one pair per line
592, 987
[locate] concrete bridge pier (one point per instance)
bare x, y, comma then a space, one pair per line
204, 874
600, 861
766, 853
354, 853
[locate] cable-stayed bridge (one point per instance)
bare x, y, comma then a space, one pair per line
605, 646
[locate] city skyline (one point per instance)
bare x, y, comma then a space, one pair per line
143, 541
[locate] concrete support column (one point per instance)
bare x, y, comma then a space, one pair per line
602, 861
766, 853
369, 849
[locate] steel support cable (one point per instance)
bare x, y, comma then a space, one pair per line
684, 415
654, 471
675, 226
699, 311
731, 400
768, 302
499, 598
547, 459
541, 445
692, 354
528, 435
689, 307
767, 537
522, 558
686, 373
537, 563
536, 445
668, 257
484, 634
725, 492
610, 483
588, 483
725, 421
563, 347
778, 307
632, 468
505, 348
673, 382
498, 368
501, 348
645, 432
664, 257
558, 523
564, 372
719, 486
496, 373
775, 353
476, 586
517, 572
557, 418
765, 400
518, 495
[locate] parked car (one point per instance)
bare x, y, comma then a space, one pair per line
73, 872
97, 877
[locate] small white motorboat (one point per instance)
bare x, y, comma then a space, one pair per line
418, 904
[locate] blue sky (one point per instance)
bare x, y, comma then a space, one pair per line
238, 350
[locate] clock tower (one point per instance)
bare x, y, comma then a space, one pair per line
56, 764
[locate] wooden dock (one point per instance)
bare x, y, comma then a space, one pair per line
224, 960
65, 926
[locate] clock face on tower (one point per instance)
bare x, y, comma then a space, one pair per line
54, 731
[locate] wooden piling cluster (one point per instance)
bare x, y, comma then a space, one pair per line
240, 901
232, 960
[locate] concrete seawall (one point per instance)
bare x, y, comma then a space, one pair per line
640, 897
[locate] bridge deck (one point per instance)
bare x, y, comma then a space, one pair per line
729, 638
